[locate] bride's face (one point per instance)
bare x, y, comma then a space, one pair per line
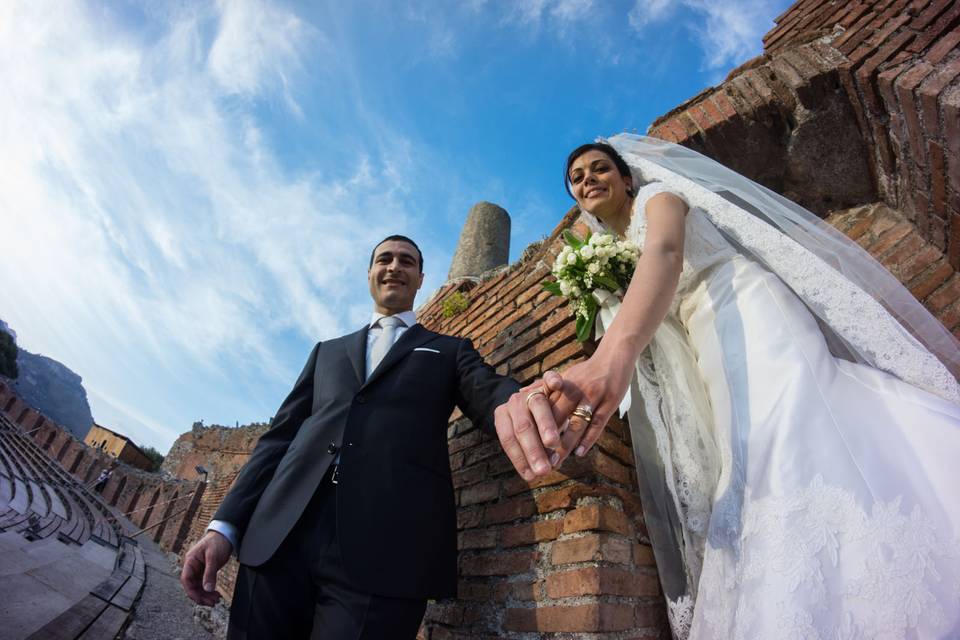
598, 186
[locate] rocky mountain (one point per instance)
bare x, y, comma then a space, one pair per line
51, 388
8, 351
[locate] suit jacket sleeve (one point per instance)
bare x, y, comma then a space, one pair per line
238, 506
480, 389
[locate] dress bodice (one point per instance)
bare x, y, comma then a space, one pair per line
703, 245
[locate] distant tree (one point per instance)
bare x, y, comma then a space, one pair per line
8, 355
155, 456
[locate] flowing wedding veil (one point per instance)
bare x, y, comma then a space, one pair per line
865, 314
871, 319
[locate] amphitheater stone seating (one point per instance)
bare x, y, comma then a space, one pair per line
67, 569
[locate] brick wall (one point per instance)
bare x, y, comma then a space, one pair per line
891, 67
919, 264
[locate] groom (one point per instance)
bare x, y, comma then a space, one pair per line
344, 515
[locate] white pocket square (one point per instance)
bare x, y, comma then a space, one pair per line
426, 349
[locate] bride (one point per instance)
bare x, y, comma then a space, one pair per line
797, 440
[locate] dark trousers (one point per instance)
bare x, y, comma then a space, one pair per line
303, 591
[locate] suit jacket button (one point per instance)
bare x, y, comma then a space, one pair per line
361, 399
332, 449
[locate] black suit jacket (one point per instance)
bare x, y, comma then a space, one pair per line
396, 517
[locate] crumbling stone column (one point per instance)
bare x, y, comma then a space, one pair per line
484, 242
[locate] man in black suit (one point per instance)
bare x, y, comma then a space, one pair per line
344, 515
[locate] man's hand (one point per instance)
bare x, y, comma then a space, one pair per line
526, 426
200, 567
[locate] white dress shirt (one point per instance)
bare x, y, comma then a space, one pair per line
408, 318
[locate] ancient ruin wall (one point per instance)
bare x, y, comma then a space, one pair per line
220, 450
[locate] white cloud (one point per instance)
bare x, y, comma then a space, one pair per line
645, 12
151, 240
728, 31
560, 15
257, 43
731, 31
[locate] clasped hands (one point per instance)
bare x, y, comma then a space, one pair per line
543, 423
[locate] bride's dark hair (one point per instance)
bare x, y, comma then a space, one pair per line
602, 147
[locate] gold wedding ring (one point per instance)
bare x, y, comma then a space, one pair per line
585, 412
536, 392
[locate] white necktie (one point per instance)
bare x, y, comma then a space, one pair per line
384, 341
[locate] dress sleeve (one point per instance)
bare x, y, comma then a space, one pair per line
651, 189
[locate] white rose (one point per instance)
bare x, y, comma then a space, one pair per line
564, 287
593, 268
587, 252
571, 258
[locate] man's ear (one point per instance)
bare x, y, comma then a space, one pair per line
420, 284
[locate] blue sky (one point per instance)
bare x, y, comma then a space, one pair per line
189, 191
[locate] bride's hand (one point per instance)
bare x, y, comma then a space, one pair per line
600, 382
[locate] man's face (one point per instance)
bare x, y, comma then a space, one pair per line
394, 277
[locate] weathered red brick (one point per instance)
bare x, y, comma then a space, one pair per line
470, 475
889, 239
943, 48
498, 564
470, 590
508, 510
931, 280
477, 539
596, 617
935, 31
469, 518
593, 547
930, 90
938, 177
597, 517
609, 467
905, 85
448, 613
595, 581
477, 493
864, 75
562, 498
643, 555
946, 295
531, 533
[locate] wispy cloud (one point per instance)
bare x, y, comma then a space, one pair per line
645, 12
557, 15
149, 229
731, 32
728, 31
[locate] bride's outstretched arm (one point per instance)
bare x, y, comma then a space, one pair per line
602, 380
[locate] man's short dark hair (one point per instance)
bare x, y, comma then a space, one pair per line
401, 239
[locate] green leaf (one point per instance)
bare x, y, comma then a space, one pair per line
585, 325
552, 287
609, 282
572, 239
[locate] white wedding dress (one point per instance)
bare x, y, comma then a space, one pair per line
790, 493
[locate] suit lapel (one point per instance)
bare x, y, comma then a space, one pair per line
410, 340
356, 346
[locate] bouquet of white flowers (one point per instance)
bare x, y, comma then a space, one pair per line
595, 262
